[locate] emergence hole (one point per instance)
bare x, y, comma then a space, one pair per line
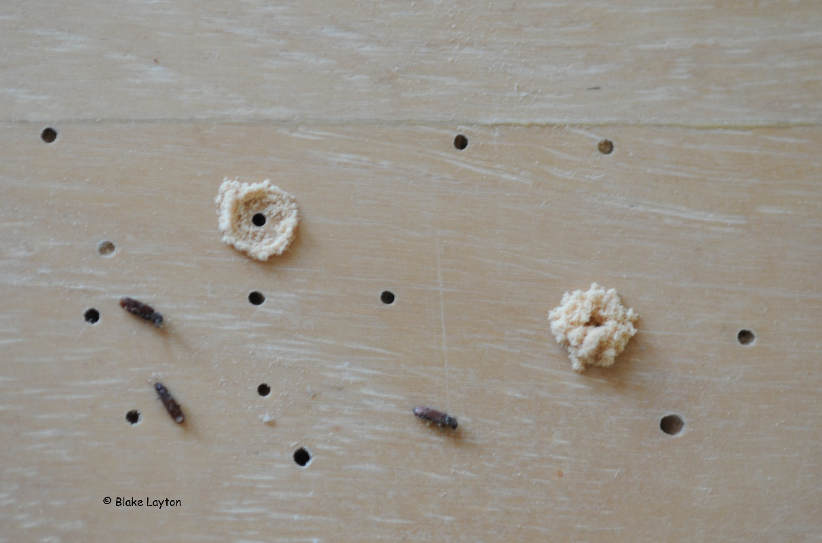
302, 457
387, 297
460, 142
595, 320
91, 316
133, 417
256, 298
48, 135
745, 337
671, 424
606, 147
258, 219
105, 248
263, 390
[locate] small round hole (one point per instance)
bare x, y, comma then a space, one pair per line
258, 219
387, 297
302, 457
91, 316
595, 320
671, 424
256, 298
606, 147
263, 390
105, 248
133, 417
460, 142
745, 337
48, 135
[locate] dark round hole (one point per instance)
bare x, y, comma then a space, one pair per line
105, 248
745, 337
48, 135
256, 298
671, 424
263, 390
133, 417
606, 147
387, 297
258, 219
595, 320
91, 316
302, 457
460, 142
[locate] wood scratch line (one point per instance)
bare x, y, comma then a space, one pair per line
442, 320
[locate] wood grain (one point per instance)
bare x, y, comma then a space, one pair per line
703, 232
692, 62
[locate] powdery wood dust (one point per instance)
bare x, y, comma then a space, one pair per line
593, 326
238, 203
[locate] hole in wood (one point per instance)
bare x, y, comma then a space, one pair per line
460, 142
256, 298
671, 424
387, 297
745, 337
91, 316
48, 135
133, 417
263, 390
606, 147
105, 248
258, 219
302, 457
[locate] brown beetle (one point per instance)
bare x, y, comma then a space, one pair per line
144, 311
171, 404
437, 417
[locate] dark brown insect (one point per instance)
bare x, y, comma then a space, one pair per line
142, 310
437, 417
171, 404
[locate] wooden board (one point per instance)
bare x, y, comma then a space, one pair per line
696, 62
704, 232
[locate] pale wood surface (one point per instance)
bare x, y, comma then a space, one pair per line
704, 231
513, 61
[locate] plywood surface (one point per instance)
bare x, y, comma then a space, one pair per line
704, 231
522, 61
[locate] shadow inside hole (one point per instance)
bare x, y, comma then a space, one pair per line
256, 298
671, 424
258, 219
263, 390
302, 457
91, 316
745, 337
133, 417
460, 142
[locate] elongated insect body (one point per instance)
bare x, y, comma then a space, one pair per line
144, 311
437, 417
171, 404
